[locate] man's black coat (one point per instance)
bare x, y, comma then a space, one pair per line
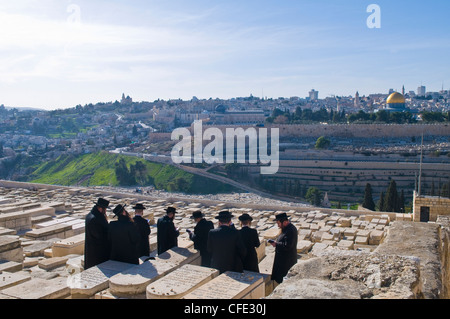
251, 241
227, 249
96, 245
200, 239
167, 235
144, 231
123, 236
285, 253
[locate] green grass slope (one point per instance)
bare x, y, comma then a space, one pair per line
98, 169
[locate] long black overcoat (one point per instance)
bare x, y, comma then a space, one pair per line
123, 236
96, 245
251, 241
200, 239
285, 253
167, 235
143, 232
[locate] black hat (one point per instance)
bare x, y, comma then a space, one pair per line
103, 203
139, 206
281, 217
224, 215
171, 210
197, 214
245, 216
118, 209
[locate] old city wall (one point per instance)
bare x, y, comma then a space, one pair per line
363, 130
349, 130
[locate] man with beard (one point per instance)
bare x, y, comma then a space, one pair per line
285, 248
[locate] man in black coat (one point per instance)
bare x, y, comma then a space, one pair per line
123, 237
167, 235
200, 236
226, 246
143, 229
251, 241
96, 245
285, 248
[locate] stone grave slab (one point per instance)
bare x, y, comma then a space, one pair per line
10, 266
52, 263
180, 256
180, 282
55, 231
303, 246
271, 233
8, 279
231, 285
87, 283
68, 246
37, 248
132, 283
10, 248
16, 221
37, 288
7, 231
42, 211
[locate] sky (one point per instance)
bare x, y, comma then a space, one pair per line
60, 53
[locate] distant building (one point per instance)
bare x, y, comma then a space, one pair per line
421, 91
396, 103
126, 100
357, 100
314, 95
428, 208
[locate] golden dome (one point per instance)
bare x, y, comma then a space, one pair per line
396, 98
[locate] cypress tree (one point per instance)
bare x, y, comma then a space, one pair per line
402, 202
381, 202
392, 198
368, 199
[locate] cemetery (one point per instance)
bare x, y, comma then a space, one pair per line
340, 254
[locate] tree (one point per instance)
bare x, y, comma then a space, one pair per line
381, 202
123, 175
314, 196
368, 199
392, 198
322, 142
401, 203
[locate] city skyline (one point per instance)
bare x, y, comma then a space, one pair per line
58, 54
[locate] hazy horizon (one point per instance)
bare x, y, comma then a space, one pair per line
58, 54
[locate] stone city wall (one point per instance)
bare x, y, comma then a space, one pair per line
350, 130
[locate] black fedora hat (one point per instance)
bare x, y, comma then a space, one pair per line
281, 217
139, 206
224, 215
197, 214
245, 216
171, 210
118, 209
103, 203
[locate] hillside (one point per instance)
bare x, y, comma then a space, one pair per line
99, 169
